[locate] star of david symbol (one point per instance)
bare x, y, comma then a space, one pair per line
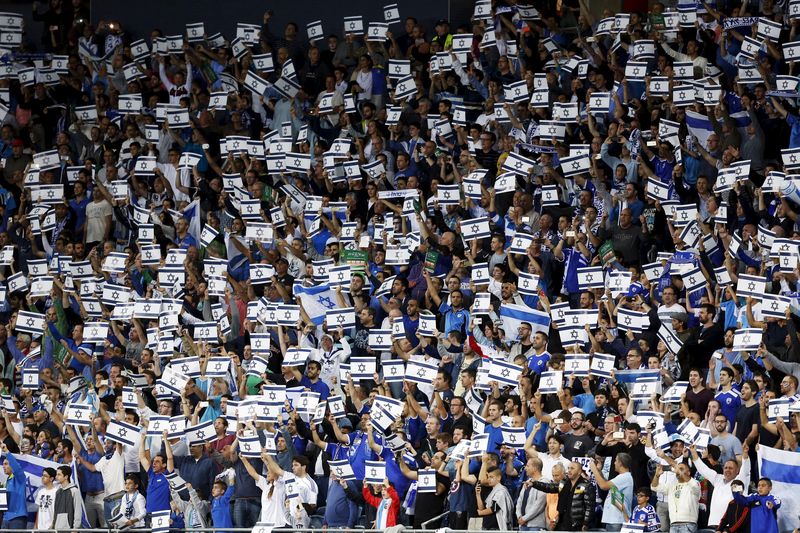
173, 381
217, 366
115, 295
518, 165
128, 104
505, 372
421, 372
746, 339
10, 21
636, 71
279, 164
516, 91
375, 31
538, 97
751, 286
575, 365
373, 473
123, 432
49, 193
627, 320
601, 364
774, 306
173, 427
272, 318
393, 370
446, 195
287, 315
259, 232
589, 277
573, 334
246, 446
340, 319
681, 71
352, 25
340, 275
549, 382
201, 434
526, 283
576, 165
171, 278
235, 145
194, 32
297, 162
184, 368
684, 17
475, 228
9, 38
78, 414
94, 333
512, 437
148, 254
793, 158
30, 322
643, 388
551, 130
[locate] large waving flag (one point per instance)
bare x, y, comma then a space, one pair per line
783, 468
513, 315
316, 300
192, 215
701, 127
33, 466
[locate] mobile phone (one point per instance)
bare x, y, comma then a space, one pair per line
558, 421
651, 144
203, 405
666, 468
618, 435
570, 234
206, 146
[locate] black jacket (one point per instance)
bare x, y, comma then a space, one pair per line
575, 503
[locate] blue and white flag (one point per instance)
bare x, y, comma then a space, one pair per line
192, 215
602, 365
78, 415
633, 376
700, 126
123, 433
159, 521
513, 315
316, 301
504, 372
513, 436
783, 468
374, 472
551, 382
342, 469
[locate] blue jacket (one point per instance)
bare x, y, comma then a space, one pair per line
762, 518
15, 487
340, 511
221, 509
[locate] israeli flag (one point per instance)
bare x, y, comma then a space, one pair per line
316, 300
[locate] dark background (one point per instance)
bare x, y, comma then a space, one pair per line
138, 17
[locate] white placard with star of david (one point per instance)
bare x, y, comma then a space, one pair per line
504, 373
353, 25
591, 278
577, 364
374, 472
79, 415
362, 367
380, 339
747, 339
123, 433
422, 372
342, 469
602, 365
394, 370
551, 382
753, 286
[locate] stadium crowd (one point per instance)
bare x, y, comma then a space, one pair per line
531, 270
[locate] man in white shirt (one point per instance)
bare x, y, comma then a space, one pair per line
306, 486
669, 306
722, 494
683, 498
45, 499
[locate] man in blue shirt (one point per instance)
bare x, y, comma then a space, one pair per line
537, 362
158, 493
16, 516
456, 318
764, 507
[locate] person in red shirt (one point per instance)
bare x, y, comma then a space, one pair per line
387, 505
